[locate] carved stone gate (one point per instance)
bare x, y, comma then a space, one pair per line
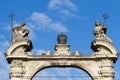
98, 65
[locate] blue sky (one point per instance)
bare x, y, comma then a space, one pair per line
48, 18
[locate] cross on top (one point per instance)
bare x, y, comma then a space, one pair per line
105, 16
11, 16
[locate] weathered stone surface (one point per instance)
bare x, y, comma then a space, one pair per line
100, 32
20, 33
99, 65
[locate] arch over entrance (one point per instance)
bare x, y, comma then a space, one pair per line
60, 73
81, 67
99, 65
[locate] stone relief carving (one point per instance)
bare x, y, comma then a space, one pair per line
17, 63
62, 62
102, 44
96, 64
20, 32
100, 32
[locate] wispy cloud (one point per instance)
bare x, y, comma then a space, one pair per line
4, 66
40, 18
41, 21
8, 27
66, 13
64, 7
60, 4
4, 45
32, 34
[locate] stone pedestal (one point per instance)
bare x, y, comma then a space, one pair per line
62, 49
16, 70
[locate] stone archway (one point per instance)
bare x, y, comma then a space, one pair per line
38, 68
63, 73
24, 66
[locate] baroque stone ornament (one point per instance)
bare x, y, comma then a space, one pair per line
62, 39
20, 43
20, 32
98, 65
100, 32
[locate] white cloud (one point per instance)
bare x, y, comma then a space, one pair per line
71, 5
40, 18
55, 4
65, 13
32, 34
44, 22
65, 8
4, 45
4, 66
59, 4
58, 27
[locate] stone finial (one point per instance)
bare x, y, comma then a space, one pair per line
62, 39
100, 32
20, 32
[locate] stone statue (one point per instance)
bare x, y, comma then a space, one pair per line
20, 32
100, 32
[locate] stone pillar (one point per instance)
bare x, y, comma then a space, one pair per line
107, 71
16, 70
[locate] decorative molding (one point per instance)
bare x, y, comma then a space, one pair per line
98, 65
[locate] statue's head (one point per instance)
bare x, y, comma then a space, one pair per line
97, 23
23, 23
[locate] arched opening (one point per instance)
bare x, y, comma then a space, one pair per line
67, 73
